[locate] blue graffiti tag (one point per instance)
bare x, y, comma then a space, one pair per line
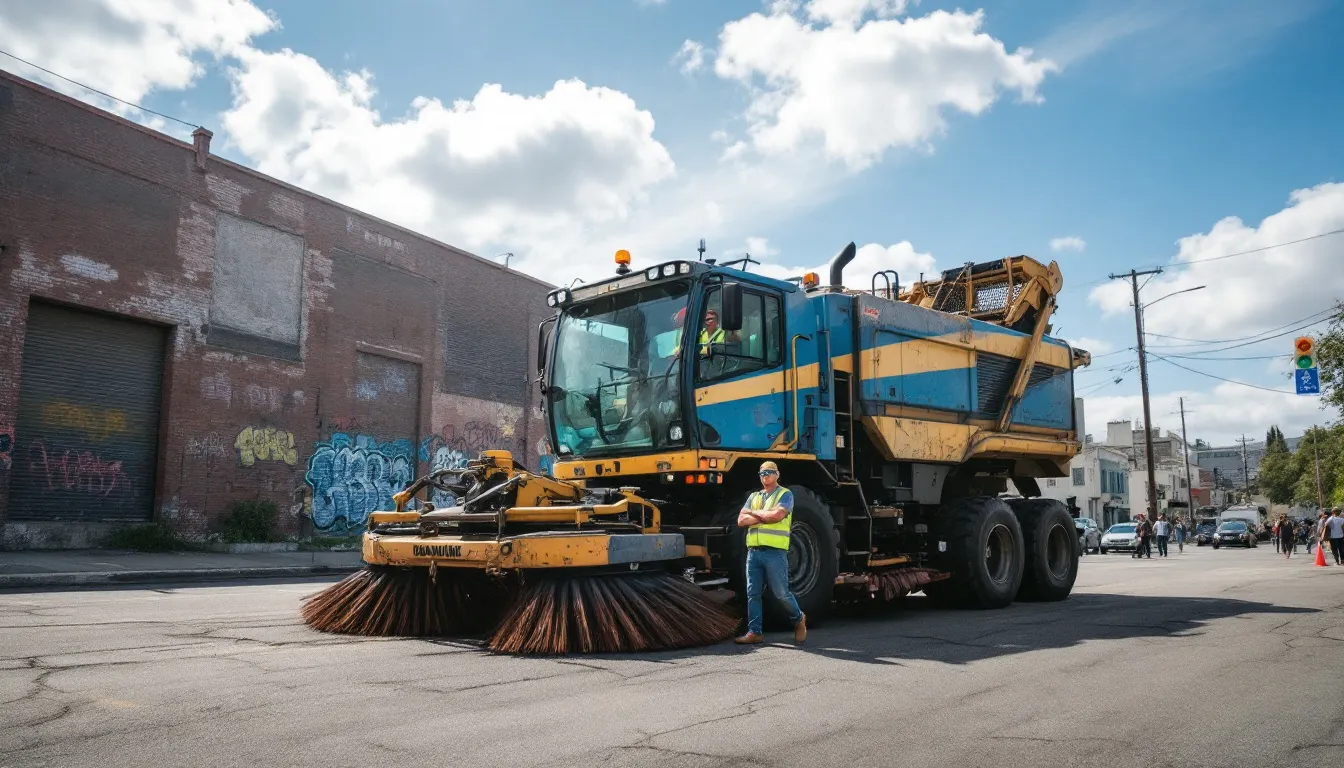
352, 477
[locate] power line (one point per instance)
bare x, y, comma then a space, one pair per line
1319, 314
1180, 264
1258, 250
100, 93
1220, 378
1257, 357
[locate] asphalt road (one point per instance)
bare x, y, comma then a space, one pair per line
1227, 658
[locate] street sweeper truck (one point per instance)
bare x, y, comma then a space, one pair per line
896, 414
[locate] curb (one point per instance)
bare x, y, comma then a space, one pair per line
11, 581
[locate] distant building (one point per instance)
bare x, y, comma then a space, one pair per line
1098, 482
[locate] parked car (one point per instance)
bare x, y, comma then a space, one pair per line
1089, 535
1122, 537
1204, 533
1235, 533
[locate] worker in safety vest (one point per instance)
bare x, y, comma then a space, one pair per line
710, 334
767, 516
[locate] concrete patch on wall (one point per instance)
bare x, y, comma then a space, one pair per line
265, 444
353, 476
82, 266
258, 281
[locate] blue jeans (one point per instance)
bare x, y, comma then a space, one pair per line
768, 566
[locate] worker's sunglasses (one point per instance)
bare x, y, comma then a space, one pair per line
768, 472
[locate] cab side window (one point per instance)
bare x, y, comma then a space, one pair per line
757, 346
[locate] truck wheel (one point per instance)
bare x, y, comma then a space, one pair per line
1052, 557
984, 553
814, 557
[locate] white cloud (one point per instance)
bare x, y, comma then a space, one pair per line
849, 12
869, 259
1070, 243
1093, 345
758, 248
1218, 415
499, 168
1250, 293
128, 48
861, 89
690, 58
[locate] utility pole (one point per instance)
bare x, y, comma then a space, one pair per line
1189, 486
1143, 384
1245, 470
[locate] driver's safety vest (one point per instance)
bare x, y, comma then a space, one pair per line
769, 534
706, 340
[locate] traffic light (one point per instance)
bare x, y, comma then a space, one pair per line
1304, 353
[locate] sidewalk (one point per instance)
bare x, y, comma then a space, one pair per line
83, 567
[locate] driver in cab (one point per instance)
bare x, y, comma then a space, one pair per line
711, 333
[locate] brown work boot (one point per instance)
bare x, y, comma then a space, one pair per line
751, 638
800, 630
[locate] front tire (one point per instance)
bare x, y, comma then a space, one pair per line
1052, 559
814, 556
985, 553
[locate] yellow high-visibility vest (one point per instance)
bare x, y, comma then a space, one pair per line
769, 534
706, 340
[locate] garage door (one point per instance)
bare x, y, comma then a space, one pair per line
87, 433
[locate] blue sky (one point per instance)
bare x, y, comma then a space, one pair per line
1128, 125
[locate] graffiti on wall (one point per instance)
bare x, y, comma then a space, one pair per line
206, 447
6, 446
78, 470
353, 476
98, 424
454, 446
265, 444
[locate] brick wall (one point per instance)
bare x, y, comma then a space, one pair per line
381, 354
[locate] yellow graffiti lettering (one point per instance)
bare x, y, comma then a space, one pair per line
97, 423
265, 444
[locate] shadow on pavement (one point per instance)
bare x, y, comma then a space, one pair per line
913, 630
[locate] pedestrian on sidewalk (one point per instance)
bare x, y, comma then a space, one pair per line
1285, 536
1334, 529
1274, 534
1162, 530
1180, 534
1145, 532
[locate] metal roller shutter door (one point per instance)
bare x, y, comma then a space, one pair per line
86, 437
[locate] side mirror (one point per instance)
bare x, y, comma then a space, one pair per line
730, 313
542, 346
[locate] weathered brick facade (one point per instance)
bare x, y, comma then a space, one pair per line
315, 356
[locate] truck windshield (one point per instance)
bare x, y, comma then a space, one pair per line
615, 383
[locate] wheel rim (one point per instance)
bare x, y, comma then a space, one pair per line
804, 558
1058, 552
999, 554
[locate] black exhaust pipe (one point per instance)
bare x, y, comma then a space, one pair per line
838, 265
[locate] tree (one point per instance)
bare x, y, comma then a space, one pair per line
1330, 360
1279, 472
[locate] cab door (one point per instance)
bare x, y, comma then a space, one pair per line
739, 378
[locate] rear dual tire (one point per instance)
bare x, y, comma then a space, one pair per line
998, 552
985, 554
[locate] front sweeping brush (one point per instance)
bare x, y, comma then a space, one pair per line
610, 613
408, 602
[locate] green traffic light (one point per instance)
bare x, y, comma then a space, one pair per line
1305, 361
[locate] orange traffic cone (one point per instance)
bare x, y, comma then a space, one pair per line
1320, 554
